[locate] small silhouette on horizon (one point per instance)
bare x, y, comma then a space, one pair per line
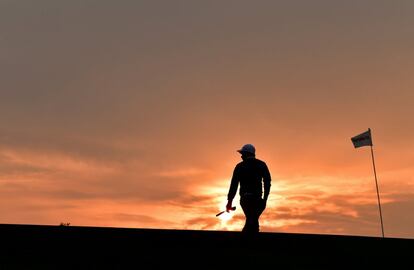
250, 174
65, 224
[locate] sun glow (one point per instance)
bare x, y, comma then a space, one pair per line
226, 216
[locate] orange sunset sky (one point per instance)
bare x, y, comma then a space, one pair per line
129, 113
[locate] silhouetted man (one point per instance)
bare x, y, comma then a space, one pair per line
250, 173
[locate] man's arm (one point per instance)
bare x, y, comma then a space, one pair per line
233, 188
266, 182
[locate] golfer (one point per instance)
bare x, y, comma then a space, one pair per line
253, 176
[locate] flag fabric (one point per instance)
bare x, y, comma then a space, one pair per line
363, 139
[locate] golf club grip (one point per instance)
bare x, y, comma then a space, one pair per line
220, 213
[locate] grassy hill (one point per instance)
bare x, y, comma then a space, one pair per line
70, 247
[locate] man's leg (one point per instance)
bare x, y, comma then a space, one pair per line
259, 208
249, 206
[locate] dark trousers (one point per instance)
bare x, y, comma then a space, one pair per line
253, 207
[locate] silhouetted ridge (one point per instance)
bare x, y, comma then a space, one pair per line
70, 247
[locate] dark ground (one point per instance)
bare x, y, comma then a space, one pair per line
63, 247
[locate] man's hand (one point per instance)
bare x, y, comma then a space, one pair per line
229, 206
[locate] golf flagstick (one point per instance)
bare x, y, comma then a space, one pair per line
365, 139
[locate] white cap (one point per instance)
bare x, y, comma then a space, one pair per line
249, 148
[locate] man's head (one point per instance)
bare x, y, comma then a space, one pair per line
248, 150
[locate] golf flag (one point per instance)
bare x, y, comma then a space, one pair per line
363, 139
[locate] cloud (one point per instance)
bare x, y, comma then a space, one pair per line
190, 201
398, 216
62, 172
95, 112
188, 172
352, 214
202, 223
140, 219
72, 182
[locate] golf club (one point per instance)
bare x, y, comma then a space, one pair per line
232, 209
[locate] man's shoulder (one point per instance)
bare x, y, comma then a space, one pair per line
251, 161
238, 165
261, 162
